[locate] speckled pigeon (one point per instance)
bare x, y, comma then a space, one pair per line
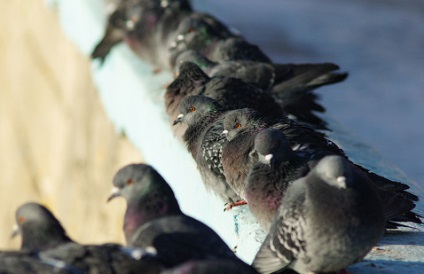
153, 218
147, 26
242, 126
327, 220
204, 140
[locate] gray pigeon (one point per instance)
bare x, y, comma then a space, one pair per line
200, 32
327, 220
153, 218
45, 243
204, 140
276, 168
147, 26
286, 78
212, 267
241, 127
230, 92
39, 228
206, 34
258, 73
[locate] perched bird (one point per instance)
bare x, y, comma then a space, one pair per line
229, 92
277, 166
200, 32
241, 126
45, 240
329, 219
267, 75
206, 34
212, 267
204, 140
153, 218
236, 48
39, 228
147, 26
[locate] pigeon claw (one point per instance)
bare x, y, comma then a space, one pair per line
229, 206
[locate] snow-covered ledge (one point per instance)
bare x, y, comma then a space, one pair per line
133, 98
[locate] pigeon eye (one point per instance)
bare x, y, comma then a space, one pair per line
190, 30
130, 182
238, 125
21, 219
192, 109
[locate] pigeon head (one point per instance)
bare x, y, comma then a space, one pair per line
39, 228
195, 109
193, 57
139, 182
192, 73
335, 170
272, 147
239, 121
190, 79
199, 31
147, 194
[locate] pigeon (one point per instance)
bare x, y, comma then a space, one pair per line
236, 48
204, 118
276, 168
329, 219
211, 267
286, 78
147, 26
200, 32
230, 92
241, 127
153, 218
39, 228
44, 239
214, 40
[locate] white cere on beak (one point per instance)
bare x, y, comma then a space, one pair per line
268, 157
180, 37
180, 116
130, 24
164, 3
341, 180
115, 190
225, 131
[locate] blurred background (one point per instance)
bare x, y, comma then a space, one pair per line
58, 147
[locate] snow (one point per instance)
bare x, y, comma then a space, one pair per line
378, 108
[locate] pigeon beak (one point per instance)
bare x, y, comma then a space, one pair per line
225, 132
179, 119
15, 231
116, 192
